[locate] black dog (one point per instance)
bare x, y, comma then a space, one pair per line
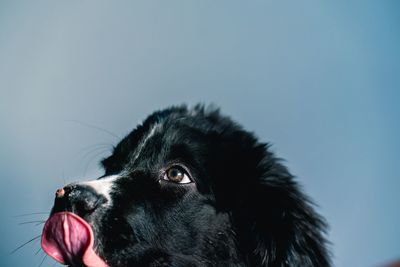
188, 187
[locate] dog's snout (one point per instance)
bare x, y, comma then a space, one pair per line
79, 199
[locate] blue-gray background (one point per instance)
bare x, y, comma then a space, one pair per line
319, 80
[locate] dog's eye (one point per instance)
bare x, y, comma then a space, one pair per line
177, 174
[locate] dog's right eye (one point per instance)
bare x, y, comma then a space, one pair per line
177, 174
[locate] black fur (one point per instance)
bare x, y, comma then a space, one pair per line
242, 209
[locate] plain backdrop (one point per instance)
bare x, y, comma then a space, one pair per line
317, 79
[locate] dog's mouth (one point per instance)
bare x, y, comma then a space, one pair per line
69, 240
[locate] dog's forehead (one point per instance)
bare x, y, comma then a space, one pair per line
164, 140
166, 133
137, 151
162, 131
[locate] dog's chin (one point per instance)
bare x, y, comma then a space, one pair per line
69, 240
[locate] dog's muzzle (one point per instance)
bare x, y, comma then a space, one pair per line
66, 236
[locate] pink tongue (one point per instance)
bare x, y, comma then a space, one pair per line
69, 240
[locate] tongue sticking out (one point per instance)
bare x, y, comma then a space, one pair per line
69, 240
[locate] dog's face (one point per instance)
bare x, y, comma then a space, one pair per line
188, 187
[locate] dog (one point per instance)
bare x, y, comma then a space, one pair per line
187, 187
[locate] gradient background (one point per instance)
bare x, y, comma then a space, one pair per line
319, 80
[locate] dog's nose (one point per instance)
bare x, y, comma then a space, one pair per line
79, 199
60, 193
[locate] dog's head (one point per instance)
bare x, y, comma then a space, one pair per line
188, 187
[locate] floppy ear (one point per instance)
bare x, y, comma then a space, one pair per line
275, 222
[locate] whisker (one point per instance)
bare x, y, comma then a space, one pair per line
40, 222
95, 127
87, 154
24, 244
88, 150
91, 160
91, 155
37, 252
45, 256
95, 145
30, 214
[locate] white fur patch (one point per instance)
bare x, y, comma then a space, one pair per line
144, 141
103, 186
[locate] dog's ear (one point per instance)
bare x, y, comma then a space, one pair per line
275, 223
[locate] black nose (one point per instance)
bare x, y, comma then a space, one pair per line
79, 199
